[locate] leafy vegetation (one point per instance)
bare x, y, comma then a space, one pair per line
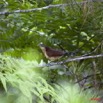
23, 82
73, 25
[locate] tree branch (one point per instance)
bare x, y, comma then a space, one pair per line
75, 59
33, 10
46, 7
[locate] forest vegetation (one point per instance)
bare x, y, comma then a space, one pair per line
26, 75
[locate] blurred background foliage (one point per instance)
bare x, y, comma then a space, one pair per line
79, 25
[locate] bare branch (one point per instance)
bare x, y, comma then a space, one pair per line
75, 59
86, 57
32, 10
46, 7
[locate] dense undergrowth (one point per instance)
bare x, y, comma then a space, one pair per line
23, 81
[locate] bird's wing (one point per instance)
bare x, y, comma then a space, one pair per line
54, 53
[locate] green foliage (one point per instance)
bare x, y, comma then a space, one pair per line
63, 25
71, 27
23, 77
23, 82
26, 53
68, 93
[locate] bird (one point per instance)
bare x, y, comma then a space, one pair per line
51, 53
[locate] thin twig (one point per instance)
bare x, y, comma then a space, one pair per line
95, 49
43, 8
88, 76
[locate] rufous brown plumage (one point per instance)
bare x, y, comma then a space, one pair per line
50, 53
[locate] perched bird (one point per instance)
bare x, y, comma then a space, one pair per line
52, 54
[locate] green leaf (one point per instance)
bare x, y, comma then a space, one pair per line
3, 81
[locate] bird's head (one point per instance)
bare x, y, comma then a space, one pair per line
41, 45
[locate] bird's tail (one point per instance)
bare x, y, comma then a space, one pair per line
72, 53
